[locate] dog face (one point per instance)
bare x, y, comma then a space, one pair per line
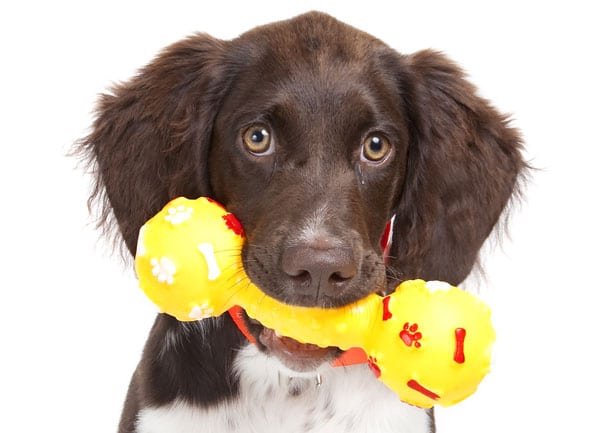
315, 135
310, 153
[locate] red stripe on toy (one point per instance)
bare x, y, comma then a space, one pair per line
459, 355
413, 384
386, 313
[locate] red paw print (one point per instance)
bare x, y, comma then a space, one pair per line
410, 335
374, 367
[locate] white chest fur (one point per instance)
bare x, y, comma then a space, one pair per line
272, 399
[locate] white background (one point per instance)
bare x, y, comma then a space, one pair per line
73, 322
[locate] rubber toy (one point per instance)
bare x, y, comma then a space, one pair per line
428, 341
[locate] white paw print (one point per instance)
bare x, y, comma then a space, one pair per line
179, 214
202, 312
163, 269
435, 286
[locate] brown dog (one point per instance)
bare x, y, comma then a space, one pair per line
315, 135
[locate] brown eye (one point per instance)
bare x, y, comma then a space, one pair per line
257, 139
376, 147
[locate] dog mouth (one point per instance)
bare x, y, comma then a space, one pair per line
297, 356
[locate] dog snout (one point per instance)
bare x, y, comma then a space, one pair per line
319, 271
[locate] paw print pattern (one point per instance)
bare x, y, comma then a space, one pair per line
201, 312
163, 269
179, 214
372, 364
410, 335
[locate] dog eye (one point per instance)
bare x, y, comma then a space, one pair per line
376, 147
257, 140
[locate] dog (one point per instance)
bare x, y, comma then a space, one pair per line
318, 137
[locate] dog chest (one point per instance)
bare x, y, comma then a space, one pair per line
272, 399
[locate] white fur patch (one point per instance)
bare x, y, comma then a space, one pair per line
314, 226
273, 399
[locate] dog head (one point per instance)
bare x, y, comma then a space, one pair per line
315, 135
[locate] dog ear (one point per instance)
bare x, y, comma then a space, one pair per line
464, 163
149, 141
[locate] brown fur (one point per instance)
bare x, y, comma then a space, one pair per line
322, 86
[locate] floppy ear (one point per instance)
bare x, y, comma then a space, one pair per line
150, 139
464, 163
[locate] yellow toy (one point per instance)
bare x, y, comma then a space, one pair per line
429, 342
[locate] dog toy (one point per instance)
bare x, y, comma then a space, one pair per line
428, 341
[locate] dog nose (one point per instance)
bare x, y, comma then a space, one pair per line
319, 270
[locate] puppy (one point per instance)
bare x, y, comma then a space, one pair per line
316, 136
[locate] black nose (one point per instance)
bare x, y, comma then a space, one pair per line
315, 271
